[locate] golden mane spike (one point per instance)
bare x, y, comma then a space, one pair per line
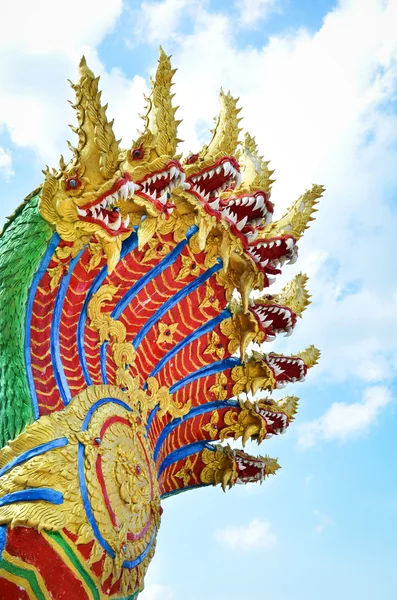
225, 135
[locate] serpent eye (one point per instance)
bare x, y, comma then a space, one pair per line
72, 183
137, 153
191, 159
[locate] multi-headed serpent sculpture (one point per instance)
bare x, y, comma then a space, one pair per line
125, 318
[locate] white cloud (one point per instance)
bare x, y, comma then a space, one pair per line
256, 535
6, 164
251, 11
156, 591
159, 21
344, 421
40, 54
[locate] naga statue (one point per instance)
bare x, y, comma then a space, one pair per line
131, 345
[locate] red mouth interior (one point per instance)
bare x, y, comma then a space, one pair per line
217, 178
272, 253
280, 316
250, 471
292, 369
157, 183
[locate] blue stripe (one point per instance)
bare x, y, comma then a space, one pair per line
151, 417
183, 452
216, 367
3, 538
197, 410
28, 320
152, 274
128, 246
103, 362
166, 306
32, 495
55, 325
130, 564
209, 326
58, 443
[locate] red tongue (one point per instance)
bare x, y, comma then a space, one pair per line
113, 216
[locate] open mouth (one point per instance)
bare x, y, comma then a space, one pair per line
276, 422
223, 175
286, 369
274, 319
249, 469
245, 214
160, 184
105, 211
271, 254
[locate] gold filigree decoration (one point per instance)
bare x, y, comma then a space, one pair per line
247, 424
186, 472
220, 387
252, 376
128, 473
212, 425
215, 346
189, 267
220, 467
210, 299
166, 333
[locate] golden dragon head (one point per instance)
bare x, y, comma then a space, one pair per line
151, 161
87, 196
228, 467
215, 168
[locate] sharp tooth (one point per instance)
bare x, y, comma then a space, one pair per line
153, 195
233, 217
205, 175
250, 201
123, 192
218, 169
267, 323
226, 167
116, 225
126, 221
173, 170
93, 212
106, 220
278, 242
81, 212
115, 198
164, 198
194, 179
258, 203
215, 204
242, 224
131, 188
264, 263
271, 244
238, 179
268, 218
103, 204
271, 280
289, 242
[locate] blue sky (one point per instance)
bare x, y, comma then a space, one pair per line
317, 81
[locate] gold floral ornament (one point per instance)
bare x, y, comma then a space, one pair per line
186, 473
253, 375
189, 268
215, 346
220, 387
125, 464
166, 333
156, 248
247, 424
94, 170
241, 329
212, 426
160, 396
210, 299
220, 467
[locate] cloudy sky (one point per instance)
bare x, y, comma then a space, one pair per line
317, 80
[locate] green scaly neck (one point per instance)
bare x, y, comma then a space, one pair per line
23, 243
